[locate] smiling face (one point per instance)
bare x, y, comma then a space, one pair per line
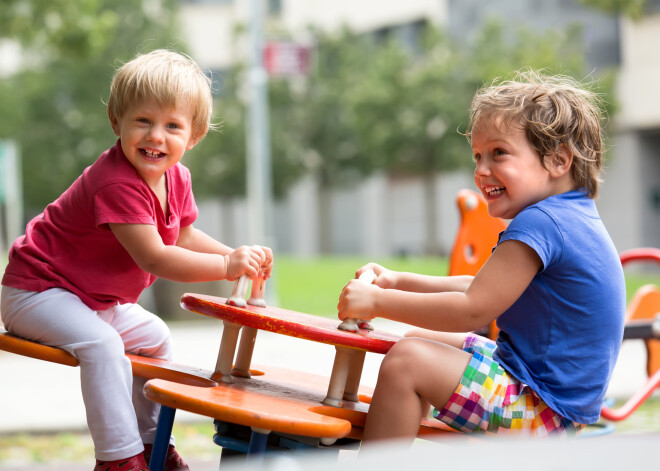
153, 138
510, 173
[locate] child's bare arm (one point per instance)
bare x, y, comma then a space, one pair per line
198, 241
175, 263
415, 282
193, 239
501, 281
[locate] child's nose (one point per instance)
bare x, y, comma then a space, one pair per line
155, 133
482, 168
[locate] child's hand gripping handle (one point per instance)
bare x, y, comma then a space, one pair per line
239, 292
354, 325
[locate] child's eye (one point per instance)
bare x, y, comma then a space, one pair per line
499, 152
476, 158
142, 120
173, 126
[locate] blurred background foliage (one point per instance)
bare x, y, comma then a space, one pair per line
369, 103
54, 106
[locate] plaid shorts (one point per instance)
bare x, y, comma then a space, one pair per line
488, 399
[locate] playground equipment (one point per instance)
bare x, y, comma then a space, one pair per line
245, 399
642, 322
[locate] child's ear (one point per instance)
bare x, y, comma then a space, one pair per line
560, 163
193, 142
114, 122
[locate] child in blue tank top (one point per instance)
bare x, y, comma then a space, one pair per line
554, 283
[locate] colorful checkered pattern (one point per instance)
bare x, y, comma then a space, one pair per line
489, 400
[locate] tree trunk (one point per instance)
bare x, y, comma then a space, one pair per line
325, 215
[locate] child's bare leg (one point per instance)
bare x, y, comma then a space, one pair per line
416, 372
453, 339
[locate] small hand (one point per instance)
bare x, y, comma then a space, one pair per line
244, 261
357, 300
385, 278
267, 263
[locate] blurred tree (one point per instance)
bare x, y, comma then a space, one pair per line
54, 105
411, 117
311, 119
632, 8
370, 104
218, 162
58, 27
408, 109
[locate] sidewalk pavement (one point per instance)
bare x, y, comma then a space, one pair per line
38, 396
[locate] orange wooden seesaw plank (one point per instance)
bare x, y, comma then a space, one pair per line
279, 403
242, 403
312, 387
307, 385
27, 348
143, 367
291, 323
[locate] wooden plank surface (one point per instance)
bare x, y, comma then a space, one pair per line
252, 403
281, 400
19, 346
291, 323
142, 366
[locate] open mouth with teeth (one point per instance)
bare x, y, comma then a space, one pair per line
495, 191
152, 154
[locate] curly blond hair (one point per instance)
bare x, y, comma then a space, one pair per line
167, 77
553, 110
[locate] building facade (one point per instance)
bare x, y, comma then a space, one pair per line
385, 215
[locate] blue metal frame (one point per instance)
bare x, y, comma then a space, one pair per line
234, 439
162, 440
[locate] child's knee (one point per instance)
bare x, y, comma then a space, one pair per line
402, 356
157, 342
105, 346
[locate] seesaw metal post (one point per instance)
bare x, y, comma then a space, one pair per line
231, 331
354, 374
245, 350
225, 360
257, 445
338, 377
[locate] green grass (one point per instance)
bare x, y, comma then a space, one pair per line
313, 285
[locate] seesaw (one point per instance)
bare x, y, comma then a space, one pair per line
284, 402
236, 313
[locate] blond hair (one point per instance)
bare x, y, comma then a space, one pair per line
553, 110
167, 77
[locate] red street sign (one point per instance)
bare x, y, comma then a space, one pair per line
285, 59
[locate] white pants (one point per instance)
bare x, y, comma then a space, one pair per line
120, 418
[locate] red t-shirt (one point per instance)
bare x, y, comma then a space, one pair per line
71, 246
